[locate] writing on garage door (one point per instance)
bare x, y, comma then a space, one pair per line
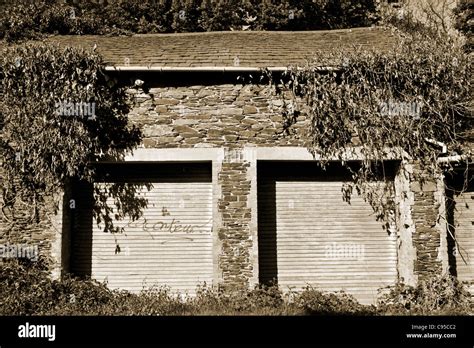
172, 226
170, 244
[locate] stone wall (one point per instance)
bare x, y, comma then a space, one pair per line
229, 116
235, 234
427, 232
232, 117
34, 237
213, 116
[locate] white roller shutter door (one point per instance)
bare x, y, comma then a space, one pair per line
171, 244
464, 234
309, 236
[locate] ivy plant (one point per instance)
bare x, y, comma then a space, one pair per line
60, 114
412, 102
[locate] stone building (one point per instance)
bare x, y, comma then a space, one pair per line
235, 201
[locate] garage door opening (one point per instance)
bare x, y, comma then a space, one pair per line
460, 208
170, 244
308, 235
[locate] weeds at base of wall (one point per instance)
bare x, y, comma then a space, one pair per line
26, 289
439, 295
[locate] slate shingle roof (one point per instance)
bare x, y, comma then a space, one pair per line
220, 49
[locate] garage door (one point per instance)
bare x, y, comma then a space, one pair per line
463, 232
309, 236
171, 244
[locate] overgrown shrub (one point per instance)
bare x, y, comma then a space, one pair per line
358, 110
27, 289
439, 295
154, 301
29, 19
24, 19
133, 16
82, 297
262, 300
43, 148
316, 302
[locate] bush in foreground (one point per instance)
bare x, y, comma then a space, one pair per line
440, 295
28, 290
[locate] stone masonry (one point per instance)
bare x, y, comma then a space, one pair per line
427, 236
229, 116
234, 116
235, 234
213, 116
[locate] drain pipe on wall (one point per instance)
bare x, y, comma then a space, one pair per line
444, 150
454, 158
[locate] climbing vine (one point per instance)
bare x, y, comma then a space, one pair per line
60, 114
411, 103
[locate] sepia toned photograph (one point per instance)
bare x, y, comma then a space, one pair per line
237, 158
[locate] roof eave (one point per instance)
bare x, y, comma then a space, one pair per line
206, 69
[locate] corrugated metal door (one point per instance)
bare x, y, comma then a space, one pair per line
171, 244
309, 236
464, 232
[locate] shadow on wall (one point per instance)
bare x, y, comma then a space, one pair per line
460, 219
267, 236
81, 230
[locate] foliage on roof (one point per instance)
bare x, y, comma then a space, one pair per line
24, 19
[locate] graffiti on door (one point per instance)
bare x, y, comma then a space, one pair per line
169, 224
